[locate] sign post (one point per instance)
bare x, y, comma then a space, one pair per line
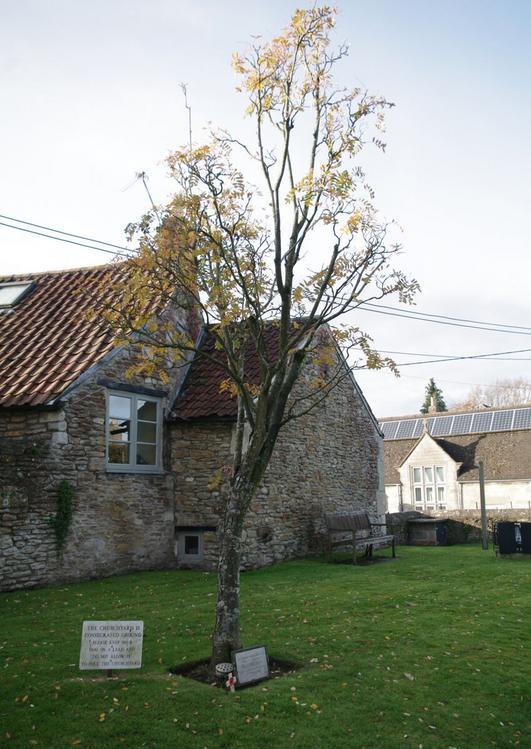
484, 532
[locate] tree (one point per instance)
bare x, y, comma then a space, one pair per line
434, 400
506, 393
245, 259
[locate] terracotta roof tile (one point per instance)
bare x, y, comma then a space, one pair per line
46, 340
201, 396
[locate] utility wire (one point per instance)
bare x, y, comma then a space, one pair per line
62, 239
381, 309
454, 358
59, 231
444, 356
445, 317
445, 322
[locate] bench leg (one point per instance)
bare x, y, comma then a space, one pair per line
354, 559
393, 548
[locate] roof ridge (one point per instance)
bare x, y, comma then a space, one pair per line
64, 271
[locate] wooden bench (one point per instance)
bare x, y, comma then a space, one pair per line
360, 526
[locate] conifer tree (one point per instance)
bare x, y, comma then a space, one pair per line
433, 396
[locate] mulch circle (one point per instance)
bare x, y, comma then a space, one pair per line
200, 671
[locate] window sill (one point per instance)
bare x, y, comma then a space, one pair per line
135, 470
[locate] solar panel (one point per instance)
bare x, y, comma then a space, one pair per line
389, 429
419, 428
406, 429
441, 425
481, 422
522, 418
471, 423
431, 423
501, 420
462, 424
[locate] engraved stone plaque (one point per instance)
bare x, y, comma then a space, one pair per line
111, 644
251, 665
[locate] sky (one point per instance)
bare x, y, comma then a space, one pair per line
91, 96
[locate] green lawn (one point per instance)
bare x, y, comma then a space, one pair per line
429, 650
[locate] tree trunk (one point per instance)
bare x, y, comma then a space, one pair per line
226, 636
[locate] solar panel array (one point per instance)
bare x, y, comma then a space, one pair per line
472, 423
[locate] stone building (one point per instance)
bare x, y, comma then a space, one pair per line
144, 459
432, 464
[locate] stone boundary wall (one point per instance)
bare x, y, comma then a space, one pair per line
470, 520
464, 526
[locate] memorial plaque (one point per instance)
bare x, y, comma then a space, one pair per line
251, 665
110, 645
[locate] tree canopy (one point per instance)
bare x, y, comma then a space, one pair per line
299, 253
434, 400
503, 393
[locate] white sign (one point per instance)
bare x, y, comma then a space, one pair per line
110, 645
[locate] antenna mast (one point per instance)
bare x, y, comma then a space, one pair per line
189, 108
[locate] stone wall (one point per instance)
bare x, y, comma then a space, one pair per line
329, 460
121, 522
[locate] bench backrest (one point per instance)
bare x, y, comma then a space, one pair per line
348, 521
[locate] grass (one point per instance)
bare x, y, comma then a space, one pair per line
430, 650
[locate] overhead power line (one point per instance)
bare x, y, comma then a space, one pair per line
497, 329
121, 251
381, 309
448, 356
456, 358
445, 317
65, 233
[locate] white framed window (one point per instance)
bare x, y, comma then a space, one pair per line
428, 488
133, 432
190, 546
11, 293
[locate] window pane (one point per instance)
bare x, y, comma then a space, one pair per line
146, 455
10, 293
417, 478
119, 431
439, 474
146, 432
191, 545
119, 407
418, 494
146, 410
429, 494
118, 452
440, 493
428, 475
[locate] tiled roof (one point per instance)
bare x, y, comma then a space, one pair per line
506, 455
201, 395
46, 339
